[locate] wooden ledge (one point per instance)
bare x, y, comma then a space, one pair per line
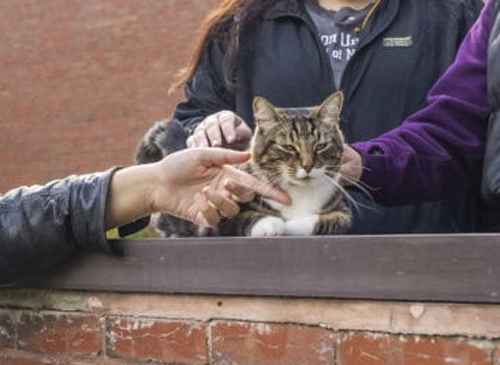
448, 268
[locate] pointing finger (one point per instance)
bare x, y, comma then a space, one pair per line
250, 183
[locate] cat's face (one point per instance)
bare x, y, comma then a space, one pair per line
298, 147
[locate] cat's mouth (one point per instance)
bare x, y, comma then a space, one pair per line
300, 181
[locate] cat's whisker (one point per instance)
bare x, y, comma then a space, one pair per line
352, 202
337, 167
329, 181
362, 187
359, 184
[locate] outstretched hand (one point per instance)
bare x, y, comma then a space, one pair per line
199, 185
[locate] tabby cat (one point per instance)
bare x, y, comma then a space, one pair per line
296, 149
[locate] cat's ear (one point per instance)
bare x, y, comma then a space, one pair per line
329, 110
263, 110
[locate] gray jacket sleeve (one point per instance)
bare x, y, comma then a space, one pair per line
40, 225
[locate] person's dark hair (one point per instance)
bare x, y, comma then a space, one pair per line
226, 20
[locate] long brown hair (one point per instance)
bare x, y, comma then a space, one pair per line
226, 20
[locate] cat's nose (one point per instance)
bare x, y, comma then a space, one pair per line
307, 163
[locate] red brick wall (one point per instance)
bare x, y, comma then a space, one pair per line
81, 81
72, 338
67, 328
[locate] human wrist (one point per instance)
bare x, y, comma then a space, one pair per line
150, 184
158, 188
130, 195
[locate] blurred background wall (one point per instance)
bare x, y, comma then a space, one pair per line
81, 81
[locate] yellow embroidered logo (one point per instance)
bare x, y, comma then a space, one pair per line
398, 41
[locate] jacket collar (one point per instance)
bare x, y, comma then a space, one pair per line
285, 8
381, 18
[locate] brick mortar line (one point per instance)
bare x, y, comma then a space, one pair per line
494, 339
104, 338
103, 316
209, 339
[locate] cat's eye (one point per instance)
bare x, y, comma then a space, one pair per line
289, 148
321, 146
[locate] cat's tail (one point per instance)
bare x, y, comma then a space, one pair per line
164, 137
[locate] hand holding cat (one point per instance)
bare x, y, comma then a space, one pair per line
352, 165
222, 129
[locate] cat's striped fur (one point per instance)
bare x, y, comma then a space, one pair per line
300, 151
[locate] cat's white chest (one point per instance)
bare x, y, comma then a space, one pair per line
305, 201
298, 219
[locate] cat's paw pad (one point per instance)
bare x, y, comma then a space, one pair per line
268, 226
302, 226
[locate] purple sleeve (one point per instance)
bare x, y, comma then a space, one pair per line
439, 149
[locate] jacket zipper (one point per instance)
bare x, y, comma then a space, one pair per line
368, 17
363, 43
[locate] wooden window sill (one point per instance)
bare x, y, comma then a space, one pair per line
451, 268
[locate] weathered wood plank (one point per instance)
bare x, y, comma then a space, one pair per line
452, 268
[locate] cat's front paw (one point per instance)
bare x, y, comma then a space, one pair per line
268, 226
302, 226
